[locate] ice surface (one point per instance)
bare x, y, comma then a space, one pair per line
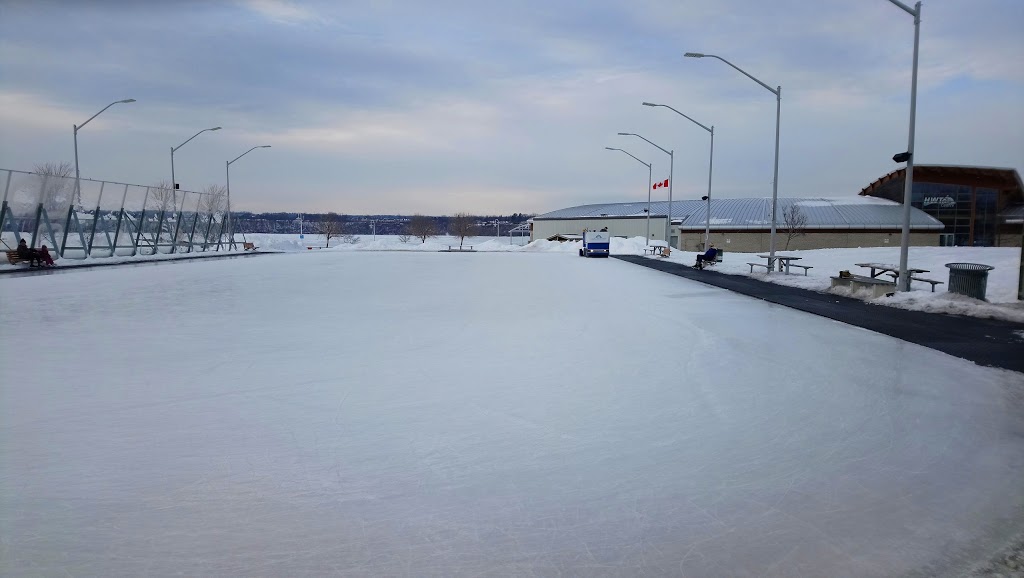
366, 413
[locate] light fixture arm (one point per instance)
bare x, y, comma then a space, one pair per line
249, 151
711, 130
192, 137
776, 92
648, 165
649, 142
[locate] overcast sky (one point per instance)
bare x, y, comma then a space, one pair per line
401, 106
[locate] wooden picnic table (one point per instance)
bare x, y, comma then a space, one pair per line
783, 261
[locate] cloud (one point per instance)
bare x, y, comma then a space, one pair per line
451, 102
284, 12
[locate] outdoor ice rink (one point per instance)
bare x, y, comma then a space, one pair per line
425, 414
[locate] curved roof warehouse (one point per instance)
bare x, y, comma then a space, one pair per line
745, 224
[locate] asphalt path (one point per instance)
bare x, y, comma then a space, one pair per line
987, 342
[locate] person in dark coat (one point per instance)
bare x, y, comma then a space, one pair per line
28, 254
44, 257
708, 255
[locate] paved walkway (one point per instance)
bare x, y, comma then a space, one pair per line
983, 341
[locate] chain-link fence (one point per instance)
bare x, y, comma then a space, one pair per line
104, 218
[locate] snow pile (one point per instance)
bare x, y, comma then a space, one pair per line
1001, 293
290, 243
953, 304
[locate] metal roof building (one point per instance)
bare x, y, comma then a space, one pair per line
745, 223
755, 214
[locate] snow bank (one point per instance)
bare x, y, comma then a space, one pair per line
1001, 294
289, 243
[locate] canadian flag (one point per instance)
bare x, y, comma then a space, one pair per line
661, 184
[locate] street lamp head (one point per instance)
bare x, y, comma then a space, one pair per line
649, 104
265, 146
625, 134
126, 101
694, 55
214, 128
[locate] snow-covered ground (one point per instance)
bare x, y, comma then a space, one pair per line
381, 414
1001, 292
1001, 297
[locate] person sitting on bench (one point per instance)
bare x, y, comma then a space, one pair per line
44, 256
27, 254
709, 255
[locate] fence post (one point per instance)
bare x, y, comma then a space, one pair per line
192, 233
138, 232
67, 227
206, 237
95, 218
3, 217
156, 236
177, 224
177, 228
92, 231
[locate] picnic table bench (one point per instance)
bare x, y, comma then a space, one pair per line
804, 267
784, 263
933, 282
657, 250
894, 272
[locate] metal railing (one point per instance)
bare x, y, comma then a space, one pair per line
106, 218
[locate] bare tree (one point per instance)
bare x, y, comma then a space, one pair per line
422, 227
462, 225
59, 190
330, 226
404, 238
213, 200
795, 222
161, 197
212, 204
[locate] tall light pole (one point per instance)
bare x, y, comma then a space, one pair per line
227, 173
711, 162
671, 181
77, 127
908, 186
174, 184
777, 91
648, 165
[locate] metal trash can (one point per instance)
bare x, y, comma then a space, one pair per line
970, 279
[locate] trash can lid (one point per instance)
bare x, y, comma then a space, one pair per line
969, 267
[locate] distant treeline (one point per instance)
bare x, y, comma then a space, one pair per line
284, 223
